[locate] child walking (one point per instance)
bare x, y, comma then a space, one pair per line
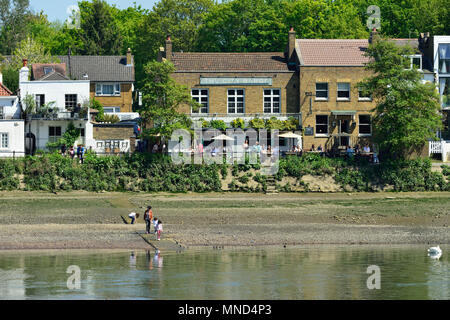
160, 229
155, 224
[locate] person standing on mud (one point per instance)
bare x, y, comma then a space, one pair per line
159, 230
148, 217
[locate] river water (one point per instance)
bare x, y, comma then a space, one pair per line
310, 272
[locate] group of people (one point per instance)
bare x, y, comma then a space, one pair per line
149, 221
80, 152
364, 151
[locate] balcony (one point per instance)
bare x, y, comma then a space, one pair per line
65, 115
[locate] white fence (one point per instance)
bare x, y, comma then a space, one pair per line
440, 147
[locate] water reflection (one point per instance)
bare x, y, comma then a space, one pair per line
320, 272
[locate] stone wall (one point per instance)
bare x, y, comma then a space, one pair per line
113, 132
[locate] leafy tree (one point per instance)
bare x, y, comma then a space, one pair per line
26, 49
95, 104
407, 18
325, 19
407, 110
161, 97
69, 137
13, 26
100, 34
29, 104
33, 51
243, 26
178, 18
128, 21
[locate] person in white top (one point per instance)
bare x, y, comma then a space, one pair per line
160, 229
155, 224
133, 216
366, 148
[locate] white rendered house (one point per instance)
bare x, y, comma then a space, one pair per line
63, 97
11, 125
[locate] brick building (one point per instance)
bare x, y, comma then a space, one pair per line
237, 85
314, 80
112, 80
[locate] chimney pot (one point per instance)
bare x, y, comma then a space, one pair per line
25, 62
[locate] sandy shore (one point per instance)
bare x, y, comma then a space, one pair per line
42, 221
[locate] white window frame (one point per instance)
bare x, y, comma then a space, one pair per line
411, 61
365, 124
114, 110
272, 96
199, 96
337, 92
236, 96
328, 92
116, 89
54, 138
328, 126
4, 134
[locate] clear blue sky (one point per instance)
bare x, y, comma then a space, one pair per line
57, 9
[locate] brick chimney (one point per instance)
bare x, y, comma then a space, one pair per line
168, 48
291, 45
129, 60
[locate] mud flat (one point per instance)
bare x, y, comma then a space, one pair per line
82, 220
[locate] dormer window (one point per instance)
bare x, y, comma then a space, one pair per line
48, 70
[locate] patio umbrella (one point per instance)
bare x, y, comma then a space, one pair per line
223, 137
290, 135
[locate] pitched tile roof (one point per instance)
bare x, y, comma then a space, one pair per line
339, 52
229, 62
38, 69
54, 76
332, 52
99, 68
4, 91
